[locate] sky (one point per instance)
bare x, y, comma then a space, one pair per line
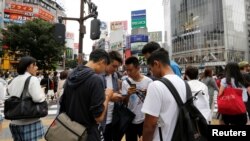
114, 10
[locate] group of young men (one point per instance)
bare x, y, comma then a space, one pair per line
91, 91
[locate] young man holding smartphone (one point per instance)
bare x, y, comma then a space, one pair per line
138, 84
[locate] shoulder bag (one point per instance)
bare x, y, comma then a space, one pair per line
64, 129
230, 101
24, 107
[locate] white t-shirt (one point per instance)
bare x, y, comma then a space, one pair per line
134, 103
3, 86
160, 103
202, 101
110, 104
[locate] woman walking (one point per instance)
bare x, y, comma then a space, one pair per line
27, 129
211, 84
234, 78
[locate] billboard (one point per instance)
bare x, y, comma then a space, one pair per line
138, 19
45, 15
155, 36
16, 8
69, 35
76, 45
27, 10
138, 38
117, 39
137, 46
19, 7
16, 18
128, 43
119, 25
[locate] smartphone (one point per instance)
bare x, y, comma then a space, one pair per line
133, 85
124, 95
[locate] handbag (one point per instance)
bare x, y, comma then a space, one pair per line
230, 102
122, 117
24, 107
64, 129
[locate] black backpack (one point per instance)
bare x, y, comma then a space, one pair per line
191, 124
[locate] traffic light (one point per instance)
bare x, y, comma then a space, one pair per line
59, 33
95, 31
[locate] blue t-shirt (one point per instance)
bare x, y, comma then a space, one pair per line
175, 67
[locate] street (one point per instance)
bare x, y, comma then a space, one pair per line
5, 134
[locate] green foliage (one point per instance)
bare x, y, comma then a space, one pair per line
70, 63
35, 37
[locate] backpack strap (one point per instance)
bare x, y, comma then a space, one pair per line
189, 93
173, 91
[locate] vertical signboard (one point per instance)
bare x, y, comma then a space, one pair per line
138, 19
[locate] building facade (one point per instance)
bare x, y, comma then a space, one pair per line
19, 11
206, 33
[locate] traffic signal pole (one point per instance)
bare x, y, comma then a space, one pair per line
82, 30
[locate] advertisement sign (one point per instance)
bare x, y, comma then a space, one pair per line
76, 45
137, 46
69, 35
138, 14
21, 7
155, 36
117, 25
128, 42
138, 38
138, 19
16, 18
116, 45
45, 15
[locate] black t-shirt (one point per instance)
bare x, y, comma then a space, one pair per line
83, 102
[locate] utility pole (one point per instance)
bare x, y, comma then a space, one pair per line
81, 33
92, 13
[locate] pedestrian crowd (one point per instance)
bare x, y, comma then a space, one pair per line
113, 104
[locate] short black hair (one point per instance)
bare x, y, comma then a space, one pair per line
115, 55
132, 60
98, 55
192, 72
150, 47
24, 63
160, 55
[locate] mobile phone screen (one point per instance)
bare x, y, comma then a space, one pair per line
133, 85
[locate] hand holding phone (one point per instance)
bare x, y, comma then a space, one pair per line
132, 89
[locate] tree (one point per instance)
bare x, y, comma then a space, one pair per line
35, 37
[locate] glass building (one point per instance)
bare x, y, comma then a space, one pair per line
206, 32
